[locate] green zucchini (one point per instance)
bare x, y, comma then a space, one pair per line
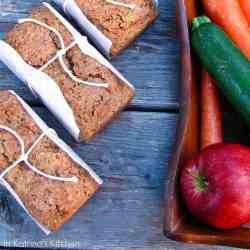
224, 62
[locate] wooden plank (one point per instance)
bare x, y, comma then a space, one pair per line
151, 63
131, 158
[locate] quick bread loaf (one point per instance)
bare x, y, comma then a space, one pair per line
49, 200
112, 24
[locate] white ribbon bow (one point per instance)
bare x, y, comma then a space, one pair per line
59, 55
24, 157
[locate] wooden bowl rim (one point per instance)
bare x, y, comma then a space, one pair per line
185, 98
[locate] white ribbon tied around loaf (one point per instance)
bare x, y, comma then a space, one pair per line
130, 6
59, 55
24, 157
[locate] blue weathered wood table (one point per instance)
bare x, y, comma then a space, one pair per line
131, 155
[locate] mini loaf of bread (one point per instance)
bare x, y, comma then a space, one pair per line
119, 23
93, 107
50, 202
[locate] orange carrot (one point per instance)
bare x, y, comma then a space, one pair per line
229, 15
192, 127
191, 10
211, 124
245, 6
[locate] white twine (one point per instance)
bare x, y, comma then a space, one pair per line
130, 6
24, 157
59, 55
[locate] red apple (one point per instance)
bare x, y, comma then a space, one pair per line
215, 186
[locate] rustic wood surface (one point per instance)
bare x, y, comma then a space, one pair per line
131, 155
150, 64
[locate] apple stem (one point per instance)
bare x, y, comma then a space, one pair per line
200, 180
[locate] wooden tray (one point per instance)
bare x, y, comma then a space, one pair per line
178, 224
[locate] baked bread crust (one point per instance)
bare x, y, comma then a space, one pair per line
50, 202
120, 24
